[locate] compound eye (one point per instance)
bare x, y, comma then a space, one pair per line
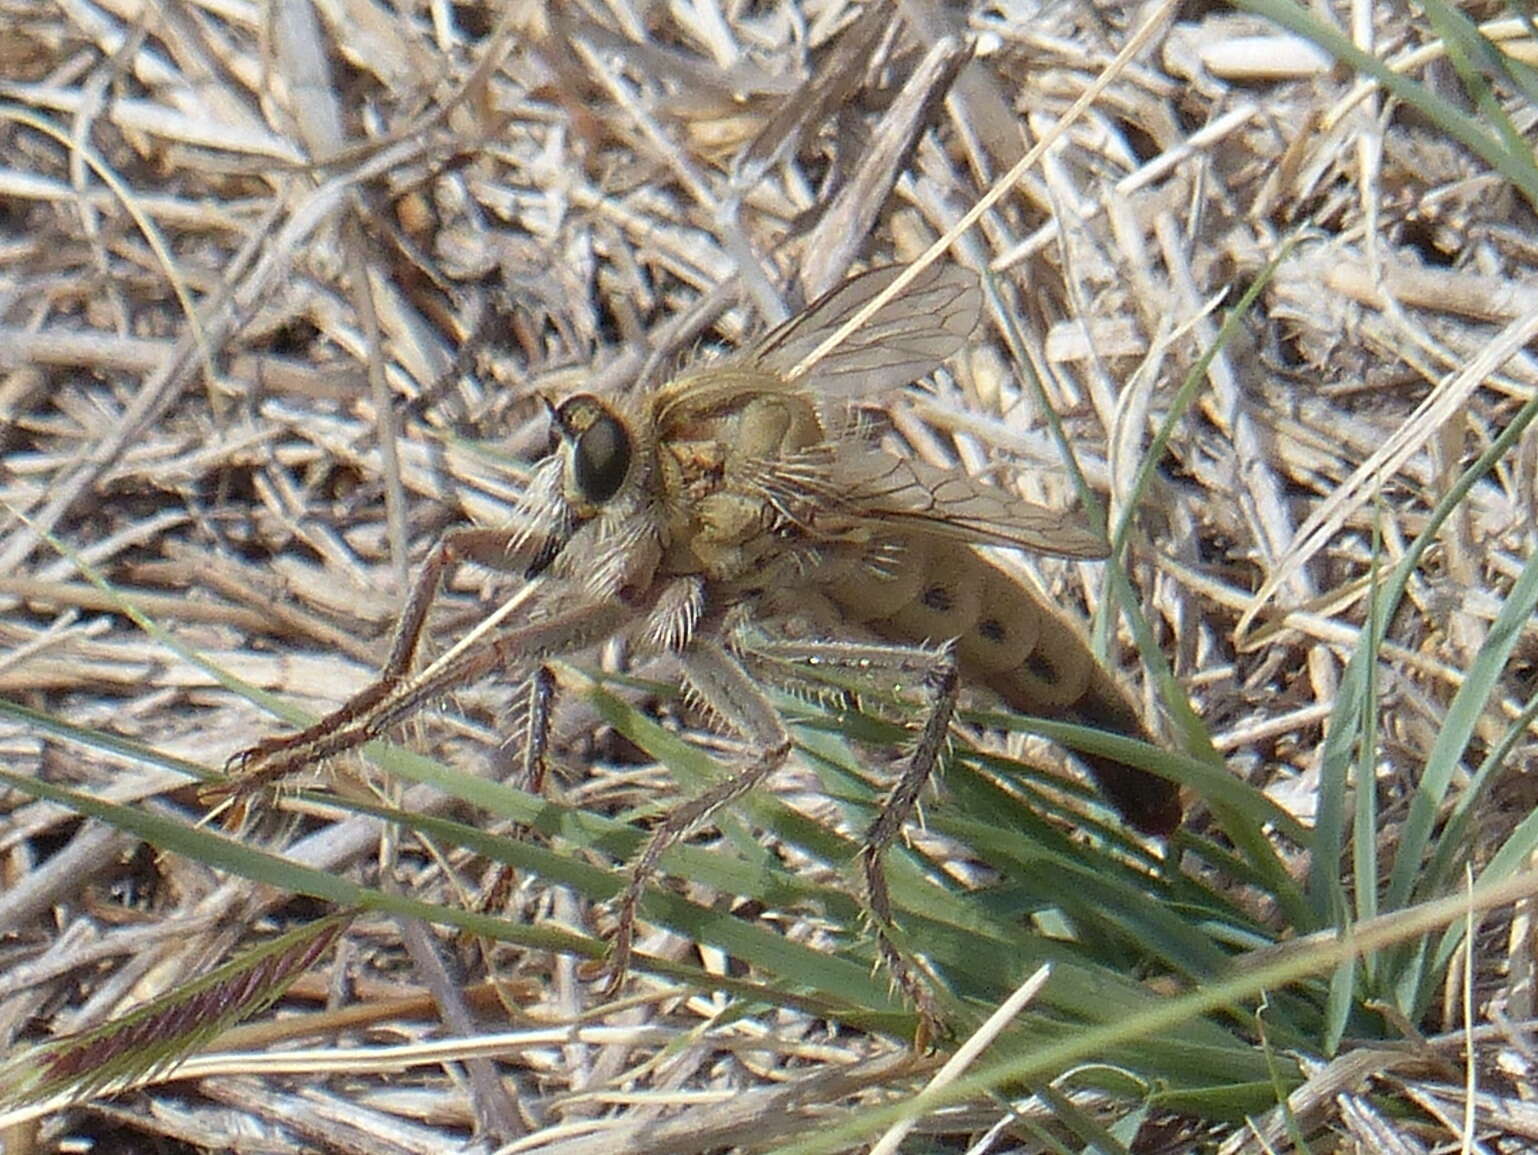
600, 450
602, 459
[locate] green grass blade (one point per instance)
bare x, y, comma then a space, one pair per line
1468, 705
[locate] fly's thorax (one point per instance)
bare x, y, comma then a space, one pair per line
727, 484
709, 402
775, 426
702, 525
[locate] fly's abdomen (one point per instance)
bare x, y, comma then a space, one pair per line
1014, 644
927, 589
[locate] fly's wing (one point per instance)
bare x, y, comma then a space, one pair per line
846, 486
903, 340
879, 490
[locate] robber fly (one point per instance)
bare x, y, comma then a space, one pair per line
739, 516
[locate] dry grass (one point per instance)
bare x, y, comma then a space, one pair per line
268, 271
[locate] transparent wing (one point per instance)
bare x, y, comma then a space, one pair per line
903, 340
878, 489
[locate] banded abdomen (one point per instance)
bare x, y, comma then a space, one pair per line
1014, 644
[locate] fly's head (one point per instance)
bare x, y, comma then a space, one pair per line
586, 508
596, 452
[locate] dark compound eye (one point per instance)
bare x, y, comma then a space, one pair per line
601, 449
603, 459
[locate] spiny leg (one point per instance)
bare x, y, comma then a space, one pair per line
454, 547
515, 648
841, 665
725, 687
940, 685
542, 689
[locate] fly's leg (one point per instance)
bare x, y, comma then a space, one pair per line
541, 689
727, 690
517, 649
536, 735
940, 686
273, 758
933, 673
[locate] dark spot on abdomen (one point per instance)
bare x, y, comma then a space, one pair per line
1041, 668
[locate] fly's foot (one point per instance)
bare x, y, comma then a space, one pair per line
611, 971
251, 771
273, 759
909, 978
929, 1027
255, 761
616, 964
